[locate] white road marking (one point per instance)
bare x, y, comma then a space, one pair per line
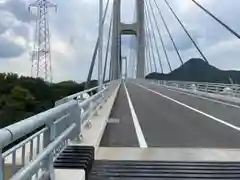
140, 136
201, 97
191, 108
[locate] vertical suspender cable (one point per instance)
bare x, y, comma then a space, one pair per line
149, 56
159, 32
107, 50
151, 48
149, 59
96, 49
147, 66
148, 25
100, 46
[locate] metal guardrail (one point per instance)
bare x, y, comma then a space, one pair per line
57, 127
232, 90
80, 95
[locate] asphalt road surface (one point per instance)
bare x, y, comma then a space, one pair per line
172, 119
120, 134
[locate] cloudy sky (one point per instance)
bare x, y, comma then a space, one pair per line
74, 34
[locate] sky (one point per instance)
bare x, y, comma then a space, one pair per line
74, 29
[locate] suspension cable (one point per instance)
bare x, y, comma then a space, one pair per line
131, 58
149, 56
150, 64
217, 19
184, 28
149, 40
149, 25
159, 32
149, 59
89, 77
107, 49
165, 24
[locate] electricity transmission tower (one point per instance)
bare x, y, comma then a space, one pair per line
41, 54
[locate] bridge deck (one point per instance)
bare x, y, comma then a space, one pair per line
172, 119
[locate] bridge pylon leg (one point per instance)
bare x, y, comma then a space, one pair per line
119, 29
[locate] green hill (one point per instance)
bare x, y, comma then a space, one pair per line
198, 70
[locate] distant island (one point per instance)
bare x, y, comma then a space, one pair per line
198, 70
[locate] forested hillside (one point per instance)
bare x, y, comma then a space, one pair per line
21, 97
200, 71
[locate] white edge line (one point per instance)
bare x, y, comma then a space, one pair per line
191, 108
201, 97
140, 136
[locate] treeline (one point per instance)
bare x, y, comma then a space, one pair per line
21, 97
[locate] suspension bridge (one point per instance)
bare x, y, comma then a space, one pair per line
132, 127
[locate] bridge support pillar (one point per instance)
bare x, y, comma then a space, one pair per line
119, 29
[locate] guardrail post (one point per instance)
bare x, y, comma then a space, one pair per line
235, 92
206, 87
48, 137
216, 89
77, 118
2, 168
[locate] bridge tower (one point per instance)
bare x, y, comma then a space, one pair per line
120, 28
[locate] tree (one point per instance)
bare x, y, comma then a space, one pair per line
19, 99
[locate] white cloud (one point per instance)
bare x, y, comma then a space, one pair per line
74, 33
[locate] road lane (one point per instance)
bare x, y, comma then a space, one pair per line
224, 112
167, 124
120, 134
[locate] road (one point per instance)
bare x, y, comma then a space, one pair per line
170, 118
120, 134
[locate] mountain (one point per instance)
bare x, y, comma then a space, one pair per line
198, 70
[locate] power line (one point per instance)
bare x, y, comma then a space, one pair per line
217, 19
148, 25
159, 33
190, 37
165, 24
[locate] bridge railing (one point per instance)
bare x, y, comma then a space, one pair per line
43, 136
81, 95
232, 90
